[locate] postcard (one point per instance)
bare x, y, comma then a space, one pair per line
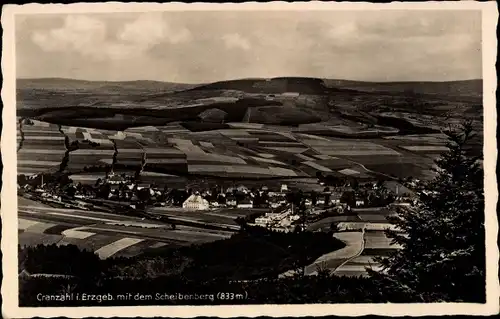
253, 159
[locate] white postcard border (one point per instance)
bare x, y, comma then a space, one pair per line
9, 208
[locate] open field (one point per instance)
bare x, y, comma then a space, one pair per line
365, 239
377, 240
89, 178
107, 234
41, 147
375, 244
331, 261
324, 224
220, 217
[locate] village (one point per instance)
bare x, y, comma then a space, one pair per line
279, 208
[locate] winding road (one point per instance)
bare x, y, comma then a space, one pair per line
355, 244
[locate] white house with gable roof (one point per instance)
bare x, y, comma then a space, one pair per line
195, 202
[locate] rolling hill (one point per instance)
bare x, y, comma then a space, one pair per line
83, 85
279, 101
469, 89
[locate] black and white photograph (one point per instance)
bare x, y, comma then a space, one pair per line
305, 155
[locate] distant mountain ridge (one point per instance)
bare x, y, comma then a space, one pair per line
462, 88
288, 101
67, 84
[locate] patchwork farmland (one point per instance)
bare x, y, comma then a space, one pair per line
129, 154
365, 239
41, 147
240, 151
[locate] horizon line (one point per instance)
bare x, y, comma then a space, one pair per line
251, 78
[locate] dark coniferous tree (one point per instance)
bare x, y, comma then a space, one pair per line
443, 255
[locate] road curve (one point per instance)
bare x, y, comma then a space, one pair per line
356, 255
354, 241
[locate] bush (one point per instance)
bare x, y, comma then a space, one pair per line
60, 260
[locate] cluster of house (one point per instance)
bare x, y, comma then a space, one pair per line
121, 187
124, 188
280, 220
198, 202
48, 195
245, 198
249, 199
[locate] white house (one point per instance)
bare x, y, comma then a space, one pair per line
195, 202
214, 203
230, 201
115, 179
278, 216
281, 229
335, 198
262, 221
243, 189
274, 204
284, 188
360, 202
246, 203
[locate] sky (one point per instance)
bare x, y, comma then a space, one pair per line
207, 46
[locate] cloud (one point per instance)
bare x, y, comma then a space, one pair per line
150, 29
199, 47
234, 40
405, 39
92, 38
345, 34
78, 34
